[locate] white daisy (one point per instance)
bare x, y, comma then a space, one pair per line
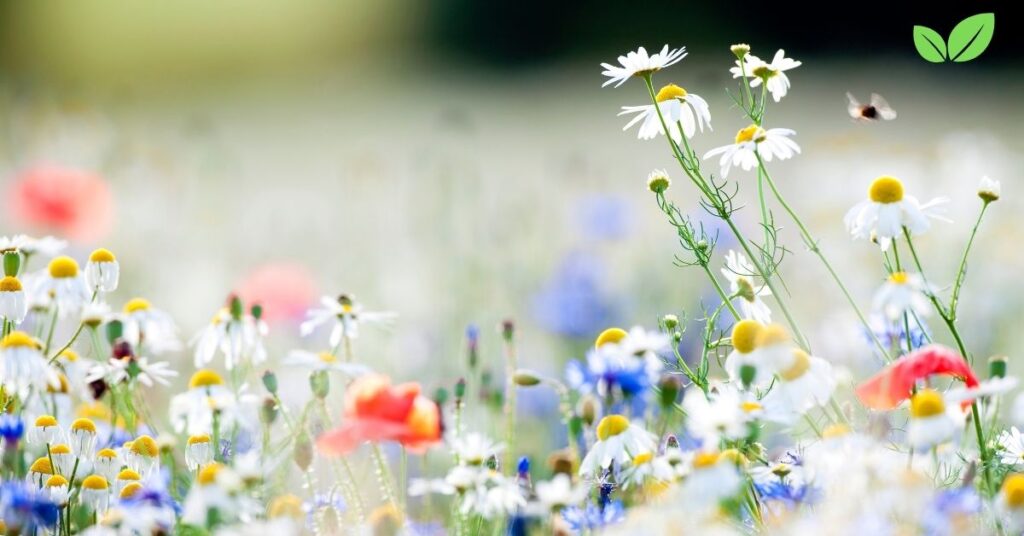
804, 383
23, 367
345, 314
1011, 447
684, 113
740, 273
618, 440
989, 190
102, 272
646, 466
63, 284
744, 354
493, 496
115, 371
932, 421
46, 246
475, 448
773, 74
723, 413
145, 325
324, 361
192, 411
560, 492
44, 430
13, 303
754, 141
198, 451
902, 293
713, 477
639, 63
886, 211
239, 338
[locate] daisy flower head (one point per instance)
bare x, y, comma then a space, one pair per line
102, 271
772, 74
64, 285
474, 448
44, 430
345, 314
192, 411
618, 440
39, 471
1011, 447
58, 488
493, 496
684, 114
932, 421
714, 476
107, 463
740, 274
752, 143
95, 493
62, 457
198, 451
560, 492
23, 366
83, 437
13, 303
888, 210
145, 324
724, 412
143, 456
647, 467
902, 293
989, 190
237, 335
126, 369
325, 361
640, 63
741, 364
804, 382
658, 181
1010, 501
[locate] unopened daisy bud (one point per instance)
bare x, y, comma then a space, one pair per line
670, 387
235, 307
270, 381
114, 331
997, 367
268, 411
589, 409
526, 378
658, 181
989, 190
747, 374
287, 505
198, 451
95, 493
12, 263
670, 321
13, 305
508, 329
303, 453
440, 396
256, 311
672, 442
83, 437
740, 50
562, 462
102, 271
460, 390
320, 383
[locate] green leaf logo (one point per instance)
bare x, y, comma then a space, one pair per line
966, 42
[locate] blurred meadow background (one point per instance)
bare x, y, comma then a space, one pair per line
458, 163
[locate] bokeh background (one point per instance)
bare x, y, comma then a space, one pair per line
457, 162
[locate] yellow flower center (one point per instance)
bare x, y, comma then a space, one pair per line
69, 355
705, 459
899, 278
926, 403
136, 304
208, 475
83, 425
63, 266
1013, 490
106, 453
735, 457
56, 481
801, 362
285, 506
327, 357
752, 133
750, 407
610, 336
46, 421
670, 92
643, 458
886, 189
835, 430
10, 284
61, 387
145, 446
60, 449
130, 489
203, 438
205, 378
94, 410
101, 255
18, 339
764, 71
95, 482
128, 474
770, 335
41, 465
744, 335
611, 426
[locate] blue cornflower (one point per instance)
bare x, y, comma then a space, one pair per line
604, 217
574, 303
11, 429
894, 334
947, 505
25, 507
606, 372
591, 516
785, 493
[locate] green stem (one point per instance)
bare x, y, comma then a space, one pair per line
962, 271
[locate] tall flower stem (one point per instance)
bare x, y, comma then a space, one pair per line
962, 271
812, 244
510, 395
693, 172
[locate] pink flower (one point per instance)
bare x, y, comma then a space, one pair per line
69, 202
284, 289
894, 383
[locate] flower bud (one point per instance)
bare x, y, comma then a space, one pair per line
508, 329
670, 321
526, 378
997, 367
562, 462
740, 50
270, 381
989, 190
320, 383
12, 263
747, 374
303, 452
589, 409
460, 390
658, 181
235, 307
256, 311
670, 387
268, 411
115, 329
441, 396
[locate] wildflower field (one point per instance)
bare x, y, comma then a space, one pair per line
769, 363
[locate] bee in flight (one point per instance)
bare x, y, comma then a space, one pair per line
877, 109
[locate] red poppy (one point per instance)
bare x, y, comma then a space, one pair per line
73, 203
894, 383
284, 289
376, 411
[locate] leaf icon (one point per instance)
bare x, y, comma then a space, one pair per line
930, 44
971, 37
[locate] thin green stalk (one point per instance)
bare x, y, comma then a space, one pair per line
962, 271
53, 326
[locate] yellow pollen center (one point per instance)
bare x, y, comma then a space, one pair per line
670, 92
145, 446
69, 355
60, 449
46, 421
208, 474
764, 71
610, 336
705, 459
801, 362
327, 357
899, 278
752, 133
18, 339
84, 425
770, 335
136, 304
749, 407
42, 465
1013, 490
643, 458
128, 474
101, 255
835, 430
106, 453
205, 378
886, 189
285, 506
192, 440
926, 403
611, 426
56, 481
95, 482
130, 490
63, 266
744, 335
10, 284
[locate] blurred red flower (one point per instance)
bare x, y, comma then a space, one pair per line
376, 411
284, 289
894, 383
75, 204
